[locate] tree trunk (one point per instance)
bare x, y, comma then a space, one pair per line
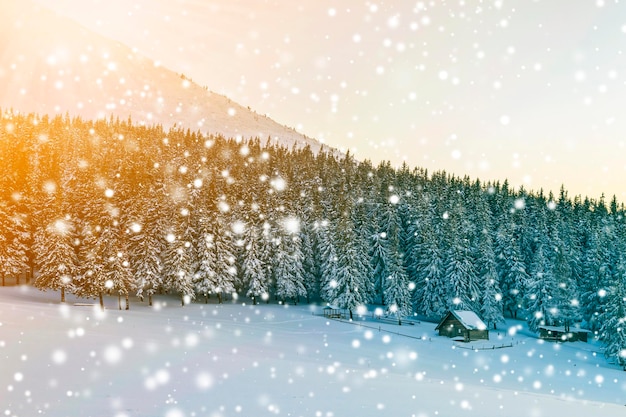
150, 299
182, 300
2, 279
350, 310
219, 298
17, 278
253, 300
494, 326
62, 294
206, 298
127, 303
101, 301
119, 301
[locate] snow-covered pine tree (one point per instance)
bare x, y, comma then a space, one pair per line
204, 275
310, 264
55, 256
361, 219
566, 305
491, 299
430, 297
125, 211
179, 259
396, 285
348, 288
327, 245
288, 268
119, 275
566, 297
539, 296
13, 238
299, 204
491, 310
600, 258
511, 270
397, 292
525, 219
462, 282
91, 281
215, 255
377, 260
613, 318
252, 268
146, 246
15, 153
572, 236
592, 304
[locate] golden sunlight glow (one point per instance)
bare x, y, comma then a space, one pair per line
390, 79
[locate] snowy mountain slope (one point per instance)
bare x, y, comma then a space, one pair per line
235, 360
52, 65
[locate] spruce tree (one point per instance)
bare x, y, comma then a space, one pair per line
491, 309
396, 284
55, 258
463, 289
288, 268
179, 257
511, 270
253, 271
430, 297
348, 287
540, 292
613, 318
13, 242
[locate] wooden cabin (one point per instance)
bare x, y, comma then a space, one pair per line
559, 334
463, 324
332, 312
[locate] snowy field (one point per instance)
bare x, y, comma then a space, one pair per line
243, 360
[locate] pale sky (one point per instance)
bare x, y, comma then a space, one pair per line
532, 91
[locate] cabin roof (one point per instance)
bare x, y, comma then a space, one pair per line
468, 319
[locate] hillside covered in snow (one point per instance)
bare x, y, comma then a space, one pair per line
51, 65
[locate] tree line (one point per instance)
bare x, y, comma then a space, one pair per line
109, 207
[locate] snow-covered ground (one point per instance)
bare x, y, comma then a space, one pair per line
237, 359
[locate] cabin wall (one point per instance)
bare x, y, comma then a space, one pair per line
478, 334
451, 328
571, 336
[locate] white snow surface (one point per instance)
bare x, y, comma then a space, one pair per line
236, 359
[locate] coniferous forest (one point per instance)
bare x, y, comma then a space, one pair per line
107, 207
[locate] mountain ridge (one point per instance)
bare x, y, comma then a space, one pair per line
50, 64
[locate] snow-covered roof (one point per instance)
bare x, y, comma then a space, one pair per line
469, 319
